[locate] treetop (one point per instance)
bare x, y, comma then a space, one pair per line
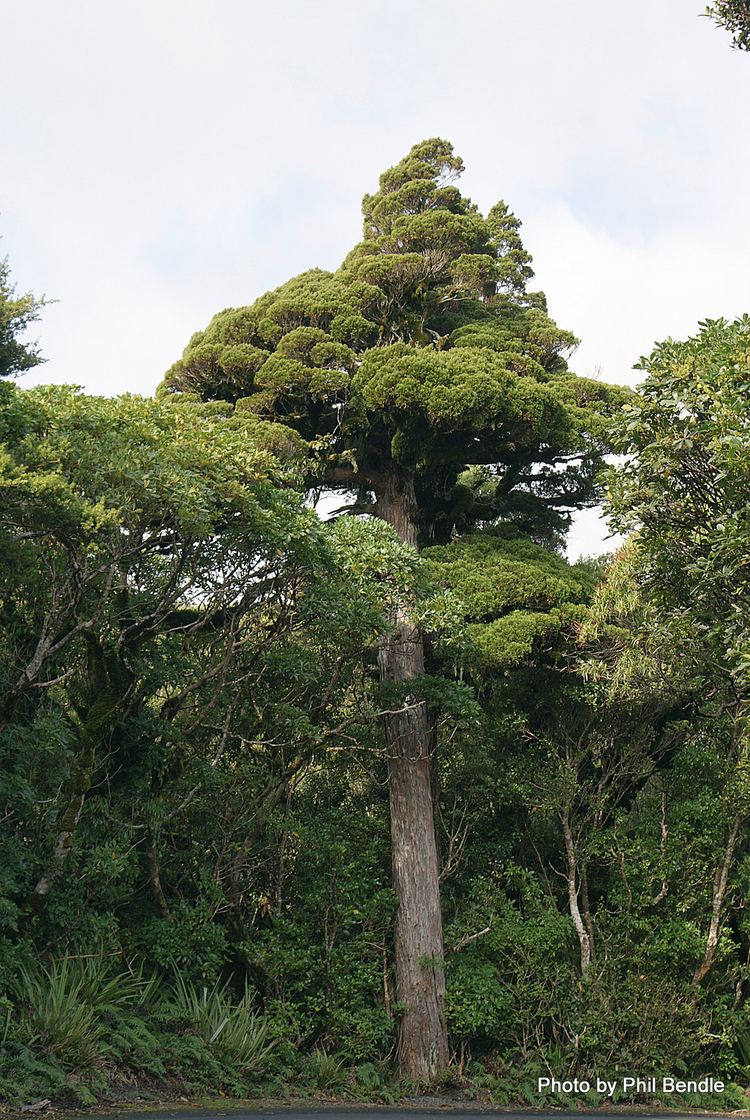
423, 354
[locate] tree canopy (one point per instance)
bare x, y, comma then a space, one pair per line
363, 804
734, 17
425, 352
683, 490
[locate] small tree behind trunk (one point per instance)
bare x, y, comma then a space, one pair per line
573, 879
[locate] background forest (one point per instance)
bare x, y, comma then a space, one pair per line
321, 768
211, 695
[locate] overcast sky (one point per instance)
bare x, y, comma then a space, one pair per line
160, 161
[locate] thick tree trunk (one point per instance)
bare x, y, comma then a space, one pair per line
420, 980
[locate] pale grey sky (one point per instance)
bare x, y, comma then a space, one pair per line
162, 160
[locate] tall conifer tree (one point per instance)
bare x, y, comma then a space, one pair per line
431, 385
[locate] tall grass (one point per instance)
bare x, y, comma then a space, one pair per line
232, 1028
63, 1006
326, 1072
74, 1020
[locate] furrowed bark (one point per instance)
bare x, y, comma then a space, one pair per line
418, 939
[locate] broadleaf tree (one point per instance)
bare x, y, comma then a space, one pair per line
17, 313
431, 385
168, 604
683, 489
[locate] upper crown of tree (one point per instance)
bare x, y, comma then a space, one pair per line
424, 353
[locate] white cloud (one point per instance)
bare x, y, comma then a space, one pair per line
164, 160
623, 294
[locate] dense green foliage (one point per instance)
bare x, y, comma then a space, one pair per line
426, 378
182, 640
734, 17
423, 355
195, 883
685, 490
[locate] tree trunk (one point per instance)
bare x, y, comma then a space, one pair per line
153, 865
572, 879
97, 725
586, 908
420, 979
721, 881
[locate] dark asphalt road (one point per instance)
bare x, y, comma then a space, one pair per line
359, 1113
